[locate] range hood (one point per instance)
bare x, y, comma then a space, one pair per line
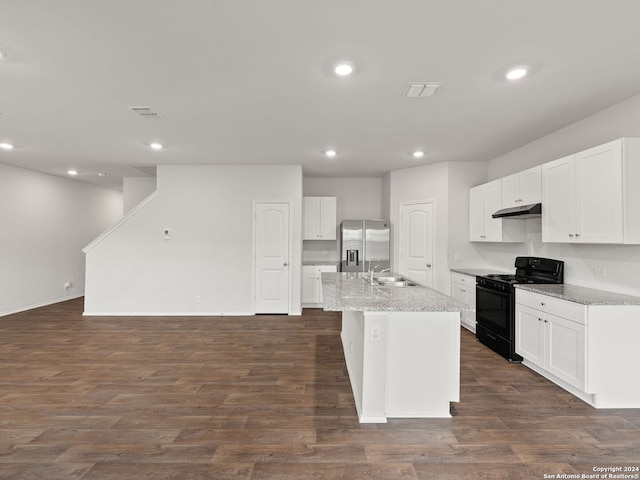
524, 211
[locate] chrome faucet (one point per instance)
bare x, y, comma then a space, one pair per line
372, 272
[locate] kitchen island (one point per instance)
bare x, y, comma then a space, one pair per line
401, 346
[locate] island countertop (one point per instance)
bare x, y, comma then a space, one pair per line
350, 291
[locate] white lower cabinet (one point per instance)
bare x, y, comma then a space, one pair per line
553, 343
589, 350
463, 289
312, 283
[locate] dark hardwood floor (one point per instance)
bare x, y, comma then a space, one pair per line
267, 397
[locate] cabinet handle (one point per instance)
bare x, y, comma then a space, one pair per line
542, 303
577, 234
571, 235
546, 321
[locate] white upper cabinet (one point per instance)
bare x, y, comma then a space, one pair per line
320, 218
590, 197
485, 200
523, 188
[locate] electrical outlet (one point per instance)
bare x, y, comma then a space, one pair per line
375, 333
600, 272
456, 257
67, 285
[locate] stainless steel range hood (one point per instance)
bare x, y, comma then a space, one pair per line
524, 211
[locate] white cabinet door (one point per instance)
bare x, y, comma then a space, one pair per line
320, 218
558, 200
530, 186
312, 282
565, 355
530, 337
523, 188
484, 201
463, 289
311, 218
310, 287
476, 214
328, 218
599, 195
511, 191
492, 203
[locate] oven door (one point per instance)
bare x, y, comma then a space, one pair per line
493, 310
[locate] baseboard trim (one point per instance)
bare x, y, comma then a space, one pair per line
167, 314
40, 304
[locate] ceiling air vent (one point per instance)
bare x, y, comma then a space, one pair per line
146, 112
420, 90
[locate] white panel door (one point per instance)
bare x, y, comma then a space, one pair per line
416, 242
271, 258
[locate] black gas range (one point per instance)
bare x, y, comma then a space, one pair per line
496, 301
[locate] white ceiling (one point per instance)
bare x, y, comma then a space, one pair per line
250, 81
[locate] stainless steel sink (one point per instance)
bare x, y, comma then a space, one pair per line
392, 281
399, 283
389, 279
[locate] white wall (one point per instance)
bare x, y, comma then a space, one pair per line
206, 267
463, 176
622, 262
136, 189
356, 198
46, 221
447, 184
424, 183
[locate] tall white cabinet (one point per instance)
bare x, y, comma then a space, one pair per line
320, 218
592, 196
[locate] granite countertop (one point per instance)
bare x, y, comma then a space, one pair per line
320, 262
582, 295
352, 292
479, 271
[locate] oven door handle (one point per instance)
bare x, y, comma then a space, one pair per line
489, 290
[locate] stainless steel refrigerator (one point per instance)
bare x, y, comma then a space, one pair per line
364, 244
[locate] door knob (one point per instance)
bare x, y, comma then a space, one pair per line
428, 265
285, 264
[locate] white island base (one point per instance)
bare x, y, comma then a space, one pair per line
402, 364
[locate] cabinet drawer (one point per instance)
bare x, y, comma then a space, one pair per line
462, 279
555, 306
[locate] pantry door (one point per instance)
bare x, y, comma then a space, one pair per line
271, 247
416, 242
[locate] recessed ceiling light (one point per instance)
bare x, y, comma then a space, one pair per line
517, 72
156, 146
6, 146
418, 154
330, 153
343, 69
72, 172
104, 174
